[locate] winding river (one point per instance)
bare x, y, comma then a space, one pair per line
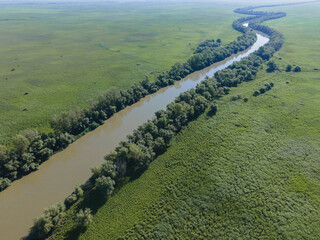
56, 178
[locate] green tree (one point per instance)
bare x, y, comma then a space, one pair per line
84, 217
159, 145
272, 66
44, 224
41, 227
4, 183
108, 169
3, 155
71, 199
256, 93
105, 185
30, 134
20, 144
214, 108
297, 69
288, 68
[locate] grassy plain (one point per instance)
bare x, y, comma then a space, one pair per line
62, 55
250, 172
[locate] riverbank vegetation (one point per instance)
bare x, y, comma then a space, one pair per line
250, 171
150, 140
32, 148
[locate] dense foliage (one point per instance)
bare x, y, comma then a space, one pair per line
29, 149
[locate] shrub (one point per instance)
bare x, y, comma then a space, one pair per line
214, 108
288, 68
84, 217
246, 99
4, 183
44, 224
297, 69
105, 185
256, 93
272, 66
262, 90
236, 97
71, 199
159, 145
268, 86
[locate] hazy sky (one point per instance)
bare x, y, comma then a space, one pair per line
239, 2
255, 2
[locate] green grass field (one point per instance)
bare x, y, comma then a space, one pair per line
250, 172
63, 55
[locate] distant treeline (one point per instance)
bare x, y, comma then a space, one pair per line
133, 156
8, 19
30, 148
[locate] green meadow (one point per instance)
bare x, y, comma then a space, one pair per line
55, 57
249, 172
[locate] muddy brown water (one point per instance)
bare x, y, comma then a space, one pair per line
56, 178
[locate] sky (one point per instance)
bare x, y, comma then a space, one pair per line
243, 1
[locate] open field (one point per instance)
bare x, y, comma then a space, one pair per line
55, 57
251, 171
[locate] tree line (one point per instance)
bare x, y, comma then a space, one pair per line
30, 148
151, 139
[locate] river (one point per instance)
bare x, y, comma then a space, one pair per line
56, 178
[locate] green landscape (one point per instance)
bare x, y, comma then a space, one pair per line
249, 172
235, 158
61, 56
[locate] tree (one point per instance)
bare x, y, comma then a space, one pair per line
177, 109
4, 183
30, 134
200, 105
288, 69
262, 90
159, 145
166, 134
3, 155
268, 86
256, 93
195, 62
84, 217
44, 224
297, 69
105, 185
214, 108
41, 227
71, 199
272, 66
108, 169
20, 144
